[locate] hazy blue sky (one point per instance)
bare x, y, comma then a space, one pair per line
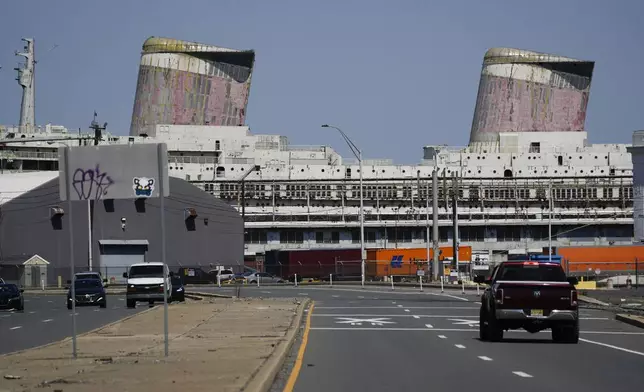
395, 75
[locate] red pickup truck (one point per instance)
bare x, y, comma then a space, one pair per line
529, 295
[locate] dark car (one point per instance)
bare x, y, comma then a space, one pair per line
178, 291
529, 295
11, 297
90, 292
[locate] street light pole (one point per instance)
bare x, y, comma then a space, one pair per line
358, 154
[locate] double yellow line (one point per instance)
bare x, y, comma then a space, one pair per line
290, 384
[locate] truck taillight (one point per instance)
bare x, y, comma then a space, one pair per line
573, 297
498, 295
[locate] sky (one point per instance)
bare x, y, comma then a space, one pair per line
394, 75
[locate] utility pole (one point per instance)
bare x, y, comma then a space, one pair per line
550, 219
435, 221
98, 137
455, 220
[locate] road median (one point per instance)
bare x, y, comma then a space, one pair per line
634, 320
219, 344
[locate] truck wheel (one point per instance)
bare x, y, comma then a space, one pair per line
484, 333
494, 330
566, 334
131, 304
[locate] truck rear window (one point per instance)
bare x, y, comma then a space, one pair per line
531, 272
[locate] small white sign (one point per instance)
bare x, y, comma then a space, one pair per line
420, 272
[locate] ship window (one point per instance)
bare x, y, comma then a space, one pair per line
560, 160
535, 147
221, 172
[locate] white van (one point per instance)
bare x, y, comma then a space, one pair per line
145, 283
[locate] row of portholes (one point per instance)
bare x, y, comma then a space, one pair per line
536, 172
531, 157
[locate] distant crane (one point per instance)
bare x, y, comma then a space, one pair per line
98, 130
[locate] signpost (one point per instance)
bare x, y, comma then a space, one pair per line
128, 171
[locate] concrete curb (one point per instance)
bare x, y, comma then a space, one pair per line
67, 339
593, 301
265, 376
193, 297
211, 295
625, 318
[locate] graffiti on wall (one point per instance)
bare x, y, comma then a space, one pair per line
91, 184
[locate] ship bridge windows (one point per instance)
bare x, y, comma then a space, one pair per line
291, 237
220, 172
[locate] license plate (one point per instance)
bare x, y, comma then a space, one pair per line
536, 312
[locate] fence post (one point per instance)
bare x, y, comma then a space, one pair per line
392, 281
331, 280
421, 282
295, 280
442, 288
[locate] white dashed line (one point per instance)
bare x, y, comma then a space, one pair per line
266, 292
302, 293
121, 299
416, 317
76, 314
48, 320
400, 306
32, 312
459, 346
97, 310
478, 303
335, 296
522, 374
393, 302
406, 310
430, 326
442, 336
12, 328
360, 297
613, 347
51, 302
485, 358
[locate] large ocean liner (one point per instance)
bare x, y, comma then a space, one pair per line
528, 166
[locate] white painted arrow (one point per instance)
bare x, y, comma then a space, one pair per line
470, 323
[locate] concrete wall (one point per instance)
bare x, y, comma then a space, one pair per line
27, 229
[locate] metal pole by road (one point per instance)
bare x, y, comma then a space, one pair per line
550, 220
435, 221
68, 183
356, 151
163, 249
89, 234
427, 234
455, 217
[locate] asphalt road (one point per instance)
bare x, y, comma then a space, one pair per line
374, 339
46, 319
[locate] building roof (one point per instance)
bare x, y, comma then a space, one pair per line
13, 185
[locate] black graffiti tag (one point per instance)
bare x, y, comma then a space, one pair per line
91, 183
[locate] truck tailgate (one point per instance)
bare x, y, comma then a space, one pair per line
535, 295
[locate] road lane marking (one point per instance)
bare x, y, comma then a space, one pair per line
478, 303
429, 326
459, 346
12, 328
51, 302
406, 310
416, 317
485, 358
302, 293
32, 312
48, 320
522, 374
360, 297
290, 383
335, 296
392, 315
97, 310
399, 306
393, 302
463, 330
266, 292
442, 336
613, 347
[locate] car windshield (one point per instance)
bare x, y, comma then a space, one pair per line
532, 272
88, 283
146, 271
9, 288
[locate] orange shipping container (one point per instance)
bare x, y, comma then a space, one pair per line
379, 260
604, 258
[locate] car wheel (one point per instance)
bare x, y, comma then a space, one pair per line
182, 299
131, 304
69, 306
483, 327
103, 304
494, 329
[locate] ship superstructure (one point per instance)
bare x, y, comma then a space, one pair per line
511, 183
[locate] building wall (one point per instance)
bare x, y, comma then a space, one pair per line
26, 229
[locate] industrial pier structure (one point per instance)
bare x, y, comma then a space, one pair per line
529, 166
